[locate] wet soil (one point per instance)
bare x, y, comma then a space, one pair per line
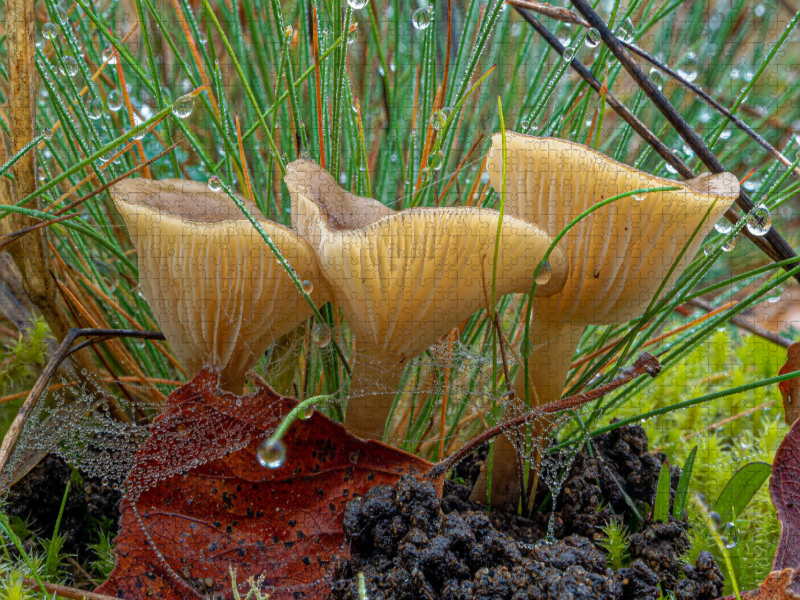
408, 544
36, 499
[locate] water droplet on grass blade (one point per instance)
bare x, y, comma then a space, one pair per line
308, 286
49, 31
215, 184
271, 454
438, 119
321, 335
308, 411
352, 34
569, 54
593, 38
625, 31
526, 348
136, 122
425, 174
709, 250
114, 100
723, 226
109, 55
436, 160
357, 4
94, 108
421, 19
47, 134
759, 220
69, 66
730, 535
183, 106
544, 274
729, 244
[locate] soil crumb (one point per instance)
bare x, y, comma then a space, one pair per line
408, 544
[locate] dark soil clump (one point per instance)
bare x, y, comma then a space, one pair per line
37, 497
409, 545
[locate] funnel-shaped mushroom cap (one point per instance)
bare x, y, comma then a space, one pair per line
620, 254
216, 289
404, 279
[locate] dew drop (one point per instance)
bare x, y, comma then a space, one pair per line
723, 226
425, 174
114, 100
49, 31
759, 220
94, 108
70, 67
214, 183
61, 14
544, 275
438, 119
569, 54
321, 335
593, 38
352, 34
271, 454
308, 286
526, 348
709, 250
136, 122
421, 19
436, 160
109, 55
625, 31
357, 4
202, 37
308, 411
47, 134
657, 78
729, 244
730, 535
183, 106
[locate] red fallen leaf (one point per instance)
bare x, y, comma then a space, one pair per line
197, 501
790, 389
777, 586
784, 488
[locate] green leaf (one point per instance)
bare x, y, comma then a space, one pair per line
741, 488
661, 508
683, 485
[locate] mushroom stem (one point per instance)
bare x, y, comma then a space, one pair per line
373, 387
554, 345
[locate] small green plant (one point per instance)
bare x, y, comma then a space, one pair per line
661, 507
616, 544
14, 588
22, 358
255, 588
104, 549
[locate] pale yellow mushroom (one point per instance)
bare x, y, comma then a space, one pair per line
404, 279
619, 255
215, 288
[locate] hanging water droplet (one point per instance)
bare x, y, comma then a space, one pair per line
657, 78
49, 31
288, 31
709, 250
214, 183
638, 197
357, 4
114, 100
729, 244
47, 133
109, 55
183, 106
425, 174
271, 454
94, 108
61, 15
593, 38
352, 34
69, 67
39, 40
136, 122
730, 535
759, 220
544, 274
421, 19
526, 348
308, 286
202, 37
438, 119
104, 481
321, 335
308, 411
436, 160
569, 54
723, 226
626, 31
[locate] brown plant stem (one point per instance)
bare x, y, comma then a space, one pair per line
63, 591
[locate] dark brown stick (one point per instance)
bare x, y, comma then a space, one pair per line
645, 364
67, 592
779, 248
742, 323
637, 125
64, 350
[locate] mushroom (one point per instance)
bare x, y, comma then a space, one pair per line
214, 286
619, 254
404, 279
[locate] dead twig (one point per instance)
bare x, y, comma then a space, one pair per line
66, 592
646, 364
742, 323
64, 350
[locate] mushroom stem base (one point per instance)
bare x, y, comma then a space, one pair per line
548, 367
